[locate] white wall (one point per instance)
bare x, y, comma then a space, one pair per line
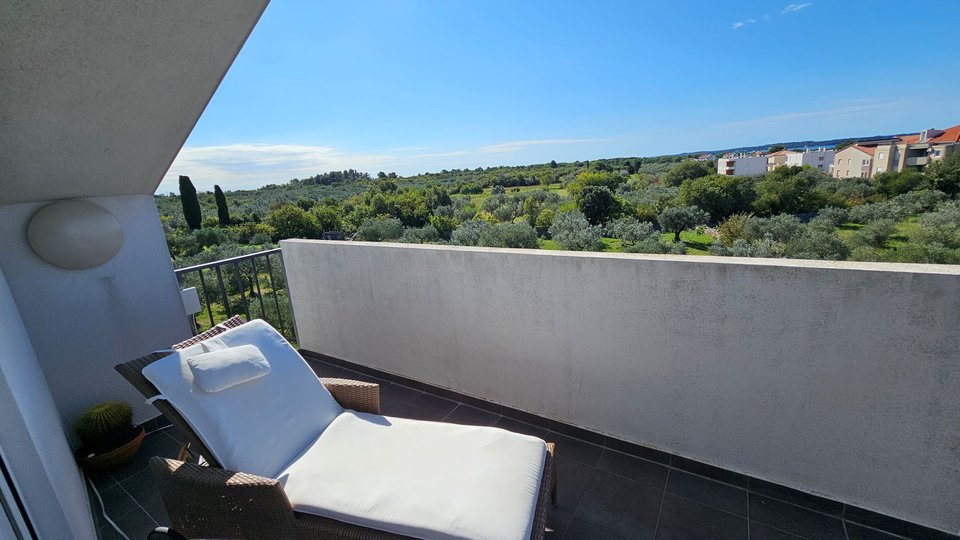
812, 159
835, 378
83, 322
31, 439
744, 166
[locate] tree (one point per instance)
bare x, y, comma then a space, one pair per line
893, 183
687, 170
544, 221
469, 232
598, 204
605, 179
191, 205
553, 164
223, 213
378, 230
291, 221
509, 235
776, 148
787, 189
734, 228
718, 195
572, 231
680, 218
945, 173
328, 218
630, 231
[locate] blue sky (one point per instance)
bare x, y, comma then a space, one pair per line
411, 86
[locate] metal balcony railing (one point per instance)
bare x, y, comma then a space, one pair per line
252, 285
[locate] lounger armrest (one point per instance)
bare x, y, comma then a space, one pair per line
209, 502
357, 395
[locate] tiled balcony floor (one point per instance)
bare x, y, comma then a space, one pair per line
603, 493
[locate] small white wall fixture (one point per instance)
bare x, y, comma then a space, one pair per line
75, 234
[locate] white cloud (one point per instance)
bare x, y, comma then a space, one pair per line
741, 24
792, 8
242, 165
850, 110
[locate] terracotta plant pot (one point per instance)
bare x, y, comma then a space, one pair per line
114, 458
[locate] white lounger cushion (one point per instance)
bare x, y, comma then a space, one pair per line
421, 479
259, 426
218, 370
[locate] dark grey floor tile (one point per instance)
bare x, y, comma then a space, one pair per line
620, 505
682, 519
568, 447
406, 410
517, 426
637, 450
759, 531
794, 496
472, 416
859, 532
583, 530
108, 533
709, 492
893, 525
794, 519
434, 403
398, 392
322, 369
141, 486
136, 524
639, 470
572, 479
116, 501
714, 473
558, 521
156, 509
101, 479
157, 444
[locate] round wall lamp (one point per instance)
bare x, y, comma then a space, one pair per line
74, 234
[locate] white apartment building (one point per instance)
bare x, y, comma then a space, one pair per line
742, 165
818, 159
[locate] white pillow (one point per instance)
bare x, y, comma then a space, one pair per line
259, 426
218, 370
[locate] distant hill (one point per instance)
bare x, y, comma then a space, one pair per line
830, 143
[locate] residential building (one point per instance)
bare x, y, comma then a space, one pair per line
819, 159
907, 151
854, 161
742, 165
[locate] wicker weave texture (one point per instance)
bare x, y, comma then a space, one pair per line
357, 395
211, 502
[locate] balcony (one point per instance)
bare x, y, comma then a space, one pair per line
688, 396
916, 161
796, 374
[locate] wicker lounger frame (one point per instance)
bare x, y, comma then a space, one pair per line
207, 501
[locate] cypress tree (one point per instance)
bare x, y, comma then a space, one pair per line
191, 205
223, 213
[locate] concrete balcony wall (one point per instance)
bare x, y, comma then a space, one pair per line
840, 379
83, 322
32, 445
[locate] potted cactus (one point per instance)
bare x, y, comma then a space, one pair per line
109, 438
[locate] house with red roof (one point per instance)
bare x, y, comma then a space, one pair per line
868, 158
